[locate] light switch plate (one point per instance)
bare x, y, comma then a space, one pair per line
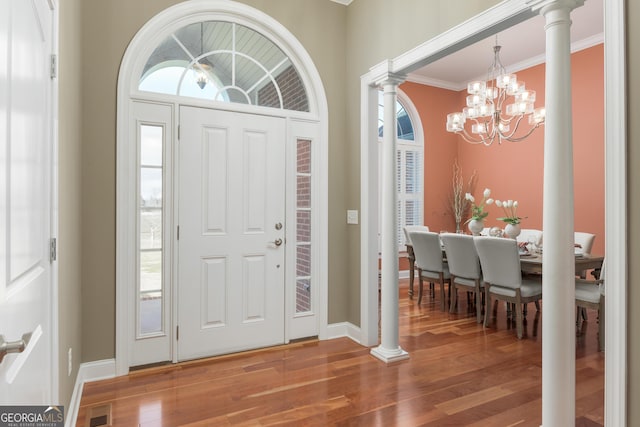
352, 217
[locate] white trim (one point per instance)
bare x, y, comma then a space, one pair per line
55, 205
428, 81
501, 16
141, 46
615, 396
88, 372
343, 2
369, 217
344, 329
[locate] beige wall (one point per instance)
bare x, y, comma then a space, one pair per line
69, 167
633, 192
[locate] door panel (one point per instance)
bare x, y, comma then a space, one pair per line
231, 254
25, 198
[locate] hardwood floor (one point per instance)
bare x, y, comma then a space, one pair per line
458, 374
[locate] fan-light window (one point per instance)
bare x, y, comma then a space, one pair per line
410, 160
226, 62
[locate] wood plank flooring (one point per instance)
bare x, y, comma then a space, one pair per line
458, 374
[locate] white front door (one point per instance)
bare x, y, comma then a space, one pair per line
231, 273
25, 199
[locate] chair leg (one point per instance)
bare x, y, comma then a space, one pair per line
478, 304
487, 302
454, 297
601, 316
442, 294
519, 318
537, 305
420, 288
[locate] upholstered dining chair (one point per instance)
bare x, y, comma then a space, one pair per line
503, 278
431, 266
590, 294
410, 255
530, 235
464, 267
409, 228
583, 242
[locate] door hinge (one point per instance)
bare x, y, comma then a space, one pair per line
178, 132
54, 66
53, 249
178, 234
177, 333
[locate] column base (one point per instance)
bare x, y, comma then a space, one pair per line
389, 356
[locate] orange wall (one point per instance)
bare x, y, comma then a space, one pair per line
515, 170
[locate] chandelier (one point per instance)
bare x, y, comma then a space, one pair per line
201, 68
490, 118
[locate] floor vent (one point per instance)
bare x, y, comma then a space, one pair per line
99, 416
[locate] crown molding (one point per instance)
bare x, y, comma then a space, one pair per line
513, 68
343, 2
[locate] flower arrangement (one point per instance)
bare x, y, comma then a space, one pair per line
459, 206
477, 211
510, 208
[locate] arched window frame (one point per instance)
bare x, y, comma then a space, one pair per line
416, 145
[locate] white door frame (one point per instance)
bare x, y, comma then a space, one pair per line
140, 48
497, 18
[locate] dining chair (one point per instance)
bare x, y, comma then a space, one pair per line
410, 228
410, 255
464, 268
590, 294
530, 235
583, 242
503, 278
431, 266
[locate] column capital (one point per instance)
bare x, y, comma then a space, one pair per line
391, 79
544, 6
383, 74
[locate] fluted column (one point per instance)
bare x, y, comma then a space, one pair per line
558, 277
389, 350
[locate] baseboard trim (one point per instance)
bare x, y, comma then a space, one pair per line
344, 329
88, 372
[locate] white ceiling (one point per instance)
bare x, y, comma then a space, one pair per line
522, 46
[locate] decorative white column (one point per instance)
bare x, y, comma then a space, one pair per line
558, 276
389, 350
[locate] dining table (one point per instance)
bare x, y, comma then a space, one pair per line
532, 263
529, 263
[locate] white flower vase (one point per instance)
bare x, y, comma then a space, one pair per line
476, 226
512, 230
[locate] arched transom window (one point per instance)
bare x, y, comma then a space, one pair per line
227, 62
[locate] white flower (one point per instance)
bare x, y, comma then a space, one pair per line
509, 203
469, 197
486, 193
489, 201
498, 203
515, 204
